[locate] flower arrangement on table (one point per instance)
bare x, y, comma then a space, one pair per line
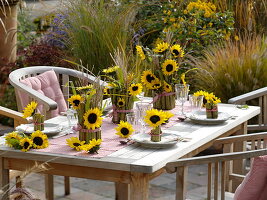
155, 118
164, 61
87, 101
92, 147
123, 87
37, 140
31, 111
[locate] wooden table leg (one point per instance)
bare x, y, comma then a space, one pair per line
122, 191
49, 187
139, 186
239, 165
4, 177
67, 185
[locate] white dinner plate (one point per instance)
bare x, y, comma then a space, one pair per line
50, 129
200, 117
167, 140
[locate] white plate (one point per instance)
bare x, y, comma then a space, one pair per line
200, 117
167, 140
50, 129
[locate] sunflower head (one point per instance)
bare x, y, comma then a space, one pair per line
92, 118
121, 102
155, 118
124, 129
147, 77
75, 143
161, 47
75, 101
167, 87
135, 89
26, 143
12, 139
140, 52
177, 51
93, 146
169, 67
156, 84
39, 139
29, 109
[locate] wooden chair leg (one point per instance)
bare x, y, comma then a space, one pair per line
67, 185
18, 182
49, 187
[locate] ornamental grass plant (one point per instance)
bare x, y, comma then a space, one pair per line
233, 68
95, 29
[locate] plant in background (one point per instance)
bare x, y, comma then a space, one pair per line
234, 67
198, 25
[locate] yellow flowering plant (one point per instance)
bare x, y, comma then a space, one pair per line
37, 140
211, 103
92, 147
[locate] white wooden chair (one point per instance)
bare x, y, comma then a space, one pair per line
64, 75
260, 97
220, 164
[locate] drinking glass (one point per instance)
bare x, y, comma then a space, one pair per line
181, 91
71, 116
196, 102
142, 107
132, 119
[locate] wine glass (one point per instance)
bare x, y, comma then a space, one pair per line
142, 107
182, 94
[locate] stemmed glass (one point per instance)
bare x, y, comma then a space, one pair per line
142, 107
182, 94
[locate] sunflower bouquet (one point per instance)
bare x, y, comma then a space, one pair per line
92, 147
37, 140
164, 60
87, 101
31, 111
122, 87
155, 118
211, 105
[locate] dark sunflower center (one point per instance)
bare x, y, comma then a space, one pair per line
150, 78
76, 144
38, 141
26, 145
167, 86
156, 85
92, 118
121, 103
154, 119
135, 88
169, 68
76, 102
12, 138
124, 131
176, 52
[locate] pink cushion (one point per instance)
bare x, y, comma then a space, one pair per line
254, 186
48, 85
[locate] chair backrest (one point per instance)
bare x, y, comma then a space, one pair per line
63, 75
260, 98
219, 164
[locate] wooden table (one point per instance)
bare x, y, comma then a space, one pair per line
132, 167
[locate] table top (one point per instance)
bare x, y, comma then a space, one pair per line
139, 159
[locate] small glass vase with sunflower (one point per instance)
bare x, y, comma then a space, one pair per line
88, 104
211, 105
37, 140
164, 60
155, 118
122, 87
31, 111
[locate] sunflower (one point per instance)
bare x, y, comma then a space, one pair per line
135, 89
92, 118
29, 109
111, 69
40, 140
124, 129
75, 143
155, 117
161, 47
156, 84
75, 101
169, 67
121, 102
177, 51
168, 115
26, 143
93, 146
12, 136
167, 87
147, 77
87, 87
140, 52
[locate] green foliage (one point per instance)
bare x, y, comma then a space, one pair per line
95, 30
233, 68
14, 142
